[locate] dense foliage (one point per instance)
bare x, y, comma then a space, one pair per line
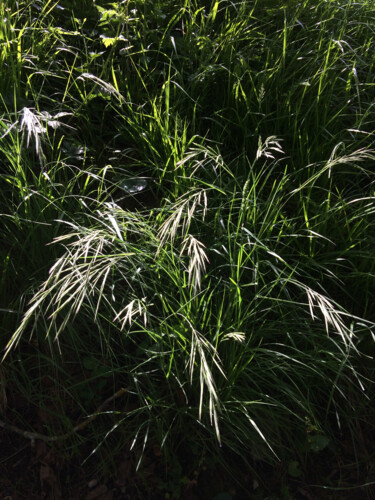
187, 212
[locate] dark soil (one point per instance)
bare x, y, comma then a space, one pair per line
33, 471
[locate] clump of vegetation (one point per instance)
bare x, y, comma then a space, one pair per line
187, 223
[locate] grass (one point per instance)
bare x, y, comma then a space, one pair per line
187, 211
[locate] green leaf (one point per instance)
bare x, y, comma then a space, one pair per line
318, 442
108, 41
294, 468
89, 363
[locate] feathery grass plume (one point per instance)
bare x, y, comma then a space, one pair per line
87, 274
35, 128
105, 87
268, 147
197, 262
35, 124
181, 215
351, 159
135, 308
206, 353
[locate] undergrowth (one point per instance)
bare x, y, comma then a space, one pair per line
187, 206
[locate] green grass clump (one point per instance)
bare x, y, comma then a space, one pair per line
187, 212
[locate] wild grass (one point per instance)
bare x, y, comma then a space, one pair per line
187, 210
